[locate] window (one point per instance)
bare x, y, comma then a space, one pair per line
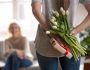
6, 14
28, 22
21, 11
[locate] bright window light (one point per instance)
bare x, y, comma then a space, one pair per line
27, 21
6, 14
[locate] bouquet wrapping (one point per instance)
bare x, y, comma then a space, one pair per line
61, 48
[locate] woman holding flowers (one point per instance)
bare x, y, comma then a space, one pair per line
48, 57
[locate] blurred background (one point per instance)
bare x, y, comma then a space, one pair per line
21, 12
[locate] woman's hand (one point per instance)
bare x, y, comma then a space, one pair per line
20, 53
74, 32
8, 51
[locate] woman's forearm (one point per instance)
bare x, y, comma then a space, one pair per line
36, 9
86, 21
84, 24
66, 4
8, 52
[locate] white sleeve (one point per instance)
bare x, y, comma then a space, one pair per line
28, 50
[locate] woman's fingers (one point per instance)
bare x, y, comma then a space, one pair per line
73, 32
20, 54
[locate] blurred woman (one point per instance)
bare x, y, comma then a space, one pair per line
17, 49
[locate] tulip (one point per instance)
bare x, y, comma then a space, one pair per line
53, 18
54, 27
67, 12
47, 32
63, 12
61, 9
55, 23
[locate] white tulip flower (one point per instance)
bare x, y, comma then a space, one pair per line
55, 23
63, 12
54, 27
67, 12
53, 18
55, 12
47, 32
61, 9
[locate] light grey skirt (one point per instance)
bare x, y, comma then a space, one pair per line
84, 1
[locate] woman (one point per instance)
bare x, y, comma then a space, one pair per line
48, 57
17, 49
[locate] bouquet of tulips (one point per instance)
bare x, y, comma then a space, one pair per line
60, 26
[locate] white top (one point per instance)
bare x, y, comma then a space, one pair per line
18, 43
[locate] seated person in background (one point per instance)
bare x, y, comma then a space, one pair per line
17, 49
